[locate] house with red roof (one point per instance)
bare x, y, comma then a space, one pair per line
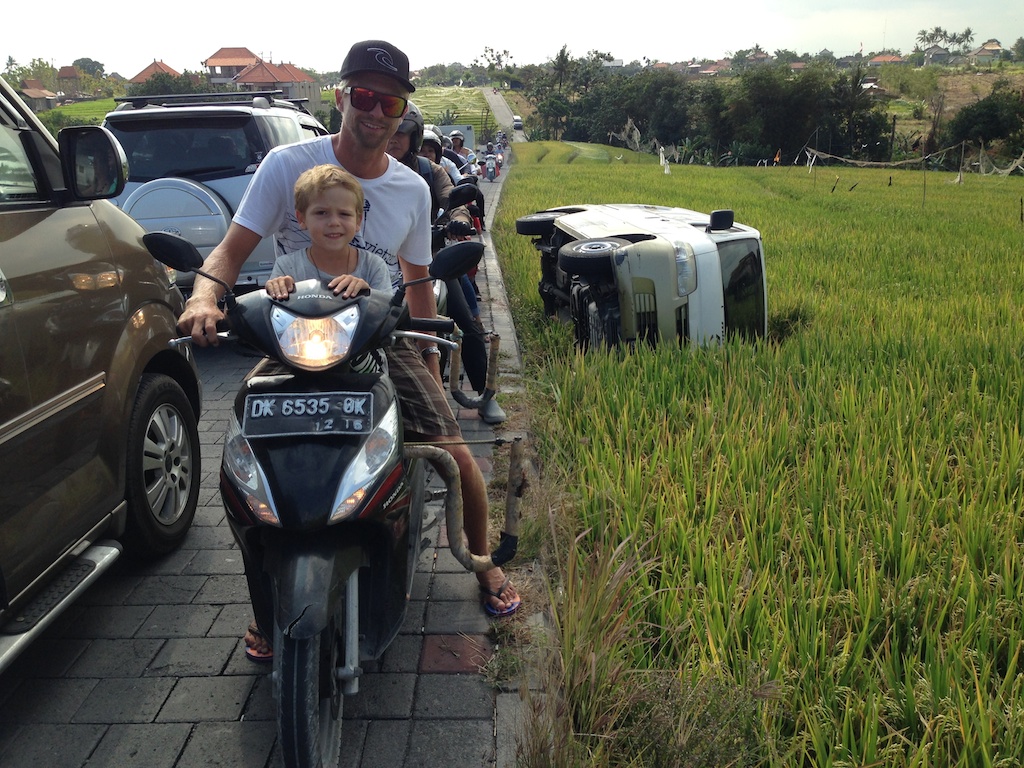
38, 98
287, 78
228, 63
156, 68
885, 58
68, 81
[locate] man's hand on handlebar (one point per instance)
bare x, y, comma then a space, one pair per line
200, 320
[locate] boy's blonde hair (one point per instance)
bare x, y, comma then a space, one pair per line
319, 179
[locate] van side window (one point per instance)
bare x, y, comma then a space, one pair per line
18, 182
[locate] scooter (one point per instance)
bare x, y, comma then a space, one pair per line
480, 364
491, 166
322, 495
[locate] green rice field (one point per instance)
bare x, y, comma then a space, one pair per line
808, 551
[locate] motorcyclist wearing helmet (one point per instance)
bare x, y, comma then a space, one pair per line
433, 150
404, 146
459, 146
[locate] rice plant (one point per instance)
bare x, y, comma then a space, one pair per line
834, 515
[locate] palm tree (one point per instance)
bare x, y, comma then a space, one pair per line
561, 65
966, 38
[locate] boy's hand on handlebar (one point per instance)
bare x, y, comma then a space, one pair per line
200, 320
279, 287
348, 286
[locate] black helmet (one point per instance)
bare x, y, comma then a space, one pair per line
412, 124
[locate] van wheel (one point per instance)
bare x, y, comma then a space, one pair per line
163, 463
540, 224
592, 258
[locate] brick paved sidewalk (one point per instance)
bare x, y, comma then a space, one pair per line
149, 669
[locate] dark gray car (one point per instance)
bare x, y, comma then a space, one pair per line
98, 411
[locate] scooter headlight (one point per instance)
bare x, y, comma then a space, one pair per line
374, 457
314, 343
240, 464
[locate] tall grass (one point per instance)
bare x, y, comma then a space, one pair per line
834, 515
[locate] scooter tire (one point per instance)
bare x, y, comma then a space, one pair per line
309, 701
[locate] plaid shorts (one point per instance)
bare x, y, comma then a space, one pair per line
425, 409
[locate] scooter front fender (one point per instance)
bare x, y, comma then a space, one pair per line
309, 575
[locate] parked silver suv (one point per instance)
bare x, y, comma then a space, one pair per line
190, 159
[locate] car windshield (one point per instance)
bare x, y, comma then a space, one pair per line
199, 147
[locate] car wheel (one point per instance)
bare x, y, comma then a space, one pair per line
163, 463
592, 258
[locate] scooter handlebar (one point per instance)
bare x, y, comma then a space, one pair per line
432, 325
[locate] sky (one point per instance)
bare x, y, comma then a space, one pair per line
127, 36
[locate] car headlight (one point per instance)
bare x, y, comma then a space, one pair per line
241, 465
362, 472
314, 343
686, 268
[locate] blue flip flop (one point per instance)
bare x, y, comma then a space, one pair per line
491, 610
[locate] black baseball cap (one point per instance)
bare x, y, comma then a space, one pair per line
377, 56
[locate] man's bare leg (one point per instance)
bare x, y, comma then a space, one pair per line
475, 508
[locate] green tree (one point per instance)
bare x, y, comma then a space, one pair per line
89, 67
762, 110
37, 69
999, 116
553, 112
163, 83
857, 128
588, 71
1018, 49
562, 67
497, 63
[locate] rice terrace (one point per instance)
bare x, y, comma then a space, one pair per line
801, 552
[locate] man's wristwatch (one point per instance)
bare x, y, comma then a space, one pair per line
432, 350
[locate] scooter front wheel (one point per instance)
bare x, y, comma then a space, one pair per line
309, 700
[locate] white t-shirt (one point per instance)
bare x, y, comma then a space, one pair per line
394, 214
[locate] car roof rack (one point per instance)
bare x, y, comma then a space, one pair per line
261, 99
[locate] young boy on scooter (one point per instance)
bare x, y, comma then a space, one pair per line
329, 205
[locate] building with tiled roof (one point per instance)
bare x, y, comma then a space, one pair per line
68, 81
156, 68
885, 58
228, 63
990, 51
38, 98
287, 78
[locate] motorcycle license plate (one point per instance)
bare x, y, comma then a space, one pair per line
308, 413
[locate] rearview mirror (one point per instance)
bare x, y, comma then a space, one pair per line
456, 260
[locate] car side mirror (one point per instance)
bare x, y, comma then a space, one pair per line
94, 163
721, 220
